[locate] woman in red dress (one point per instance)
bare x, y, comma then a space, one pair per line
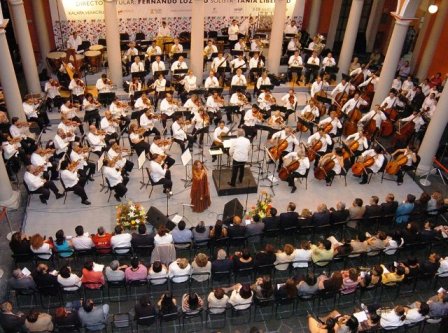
200, 192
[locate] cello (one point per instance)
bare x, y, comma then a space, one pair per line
395, 165
312, 150
359, 166
351, 124
285, 171
326, 166
277, 150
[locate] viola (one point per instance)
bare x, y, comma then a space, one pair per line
395, 165
359, 166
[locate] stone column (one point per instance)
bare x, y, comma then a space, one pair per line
335, 12
276, 40
419, 42
8, 78
391, 60
113, 42
43, 36
26, 48
351, 31
433, 40
373, 24
433, 134
197, 39
314, 17
8, 197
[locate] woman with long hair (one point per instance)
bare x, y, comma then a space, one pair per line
200, 191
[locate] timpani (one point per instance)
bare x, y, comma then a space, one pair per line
54, 59
93, 59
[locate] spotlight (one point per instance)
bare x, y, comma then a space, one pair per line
432, 9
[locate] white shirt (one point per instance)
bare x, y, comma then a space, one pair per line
233, 31
69, 178
342, 87
295, 61
74, 43
417, 120
218, 131
167, 108
112, 154
390, 319
178, 132
317, 86
313, 61
389, 102
255, 63
163, 240
160, 85
30, 110
16, 132
163, 31
238, 63
145, 122
157, 66
189, 82
112, 175
211, 82
33, 182
239, 149
9, 150
304, 163
352, 103
60, 144
396, 84
378, 117
291, 29
379, 159
178, 65
155, 149
157, 171
325, 139
334, 122
52, 91
291, 139
292, 45
101, 86
75, 157
238, 80
407, 85
314, 110
250, 119
221, 62
83, 242
302, 255
69, 112
154, 50
76, 89
38, 160
137, 67
121, 240
328, 62
96, 141
263, 82
209, 50
73, 282
287, 104
177, 48
107, 126
363, 143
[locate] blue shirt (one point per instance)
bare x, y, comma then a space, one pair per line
181, 236
64, 249
403, 212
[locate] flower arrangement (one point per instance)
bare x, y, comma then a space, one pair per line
130, 215
262, 206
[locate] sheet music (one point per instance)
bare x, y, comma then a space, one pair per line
141, 160
100, 162
186, 157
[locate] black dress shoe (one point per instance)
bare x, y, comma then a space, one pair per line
86, 202
117, 198
91, 179
293, 189
230, 184
43, 200
363, 182
59, 195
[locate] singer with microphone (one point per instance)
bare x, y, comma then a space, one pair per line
200, 192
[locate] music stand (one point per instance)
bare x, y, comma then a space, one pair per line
267, 87
289, 36
324, 100
137, 114
197, 92
312, 67
272, 179
186, 158
239, 88
177, 55
331, 69
236, 53
106, 98
139, 93
157, 73
214, 55
180, 72
256, 70
141, 75
219, 90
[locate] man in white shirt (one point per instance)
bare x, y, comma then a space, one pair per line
220, 131
239, 62
342, 86
176, 47
116, 180
308, 114
238, 79
326, 141
121, 241
295, 65
289, 102
363, 143
353, 103
180, 136
294, 44
110, 126
232, 32
179, 64
209, 49
41, 158
37, 184
54, 99
288, 135
328, 62
137, 66
60, 142
219, 65
312, 73
160, 174
157, 65
377, 154
211, 81
334, 121
390, 101
164, 30
190, 83
263, 80
103, 84
96, 141
251, 118
376, 114
17, 130
40, 117
147, 121
153, 49
168, 106
74, 42
301, 171
318, 86
73, 182
121, 162
291, 28
158, 147
239, 150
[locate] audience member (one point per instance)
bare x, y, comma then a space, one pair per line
92, 317
290, 218
163, 236
102, 241
200, 232
200, 267
143, 311
141, 238
158, 273
136, 272
217, 301
90, 278
38, 322
120, 241
18, 280
181, 234
62, 246
179, 270
82, 241
115, 272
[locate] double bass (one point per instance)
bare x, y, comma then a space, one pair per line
369, 127
351, 124
404, 132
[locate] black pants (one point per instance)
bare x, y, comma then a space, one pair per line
140, 147
400, 173
293, 175
311, 74
215, 116
78, 189
365, 174
28, 145
154, 131
41, 120
200, 132
88, 170
237, 167
166, 181
111, 136
55, 102
128, 166
294, 70
77, 98
189, 143
330, 176
44, 191
120, 189
169, 161
93, 116
81, 127
165, 117
280, 160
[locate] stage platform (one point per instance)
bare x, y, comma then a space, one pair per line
221, 179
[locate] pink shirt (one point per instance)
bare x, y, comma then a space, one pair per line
140, 273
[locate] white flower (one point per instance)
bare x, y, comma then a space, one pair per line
131, 214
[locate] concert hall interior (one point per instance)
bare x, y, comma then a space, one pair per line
223, 166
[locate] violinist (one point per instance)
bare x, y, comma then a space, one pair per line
193, 104
34, 114
409, 153
218, 137
353, 103
116, 180
201, 122
148, 122
377, 154
337, 157
180, 136
263, 80
37, 184
289, 102
295, 64
80, 155
301, 171
251, 118
324, 138
18, 130
335, 123
91, 107
237, 99
54, 98
214, 104
135, 85
61, 143
318, 86
143, 102
275, 122
158, 147
168, 107
159, 86
73, 182
103, 84
308, 114
137, 140
13, 152
96, 140
160, 174
109, 126
377, 115
266, 101
68, 110
43, 158
118, 110
116, 153
77, 87
312, 73
289, 136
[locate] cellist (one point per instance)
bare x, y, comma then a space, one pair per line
335, 123
290, 137
375, 114
308, 114
324, 139
318, 86
411, 156
301, 171
378, 157
338, 159
362, 141
417, 119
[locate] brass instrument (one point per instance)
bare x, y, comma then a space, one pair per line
207, 51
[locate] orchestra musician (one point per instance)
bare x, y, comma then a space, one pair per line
239, 150
326, 141
240, 45
328, 61
143, 103
289, 102
411, 156
43, 158
256, 45
158, 147
118, 110
408, 84
238, 79
312, 73
37, 184
251, 118
103, 84
390, 101
160, 174
69, 128
263, 80
373, 79
109, 125
96, 139
290, 137
168, 107
214, 104
248, 26
160, 87
219, 64
147, 122
211, 81
17, 130
77, 87
218, 137
61, 143
68, 110
13, 152
163, 30
116, 153
335, 123
130, 52
34, 113
137, 65
291, 28
80, 155
134, 85
355, 102
294, 44
153, 49
137, 139
317, 86
255, 62
201, 123
180, 136
337, 157
396, 83
73, 44
193, 104
355, 68
375, 114
179, 64
238, 63
266, 101
91, 107
232, 33
377, 154
176, 48
362, 141
189, 83
343, 87
117, 181
238, 99
301, 171
53, 96
308, 115
209, 49
73, 182
157, 65
295, 64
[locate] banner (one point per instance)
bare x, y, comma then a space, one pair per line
87, 16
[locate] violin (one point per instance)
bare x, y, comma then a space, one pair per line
257, 114
38, 170
324, 167
361, 164
80, 83
54, 83
21, 124
72, 166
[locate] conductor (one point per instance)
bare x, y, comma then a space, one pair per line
239, 150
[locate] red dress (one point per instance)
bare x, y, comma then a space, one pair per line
200, 193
